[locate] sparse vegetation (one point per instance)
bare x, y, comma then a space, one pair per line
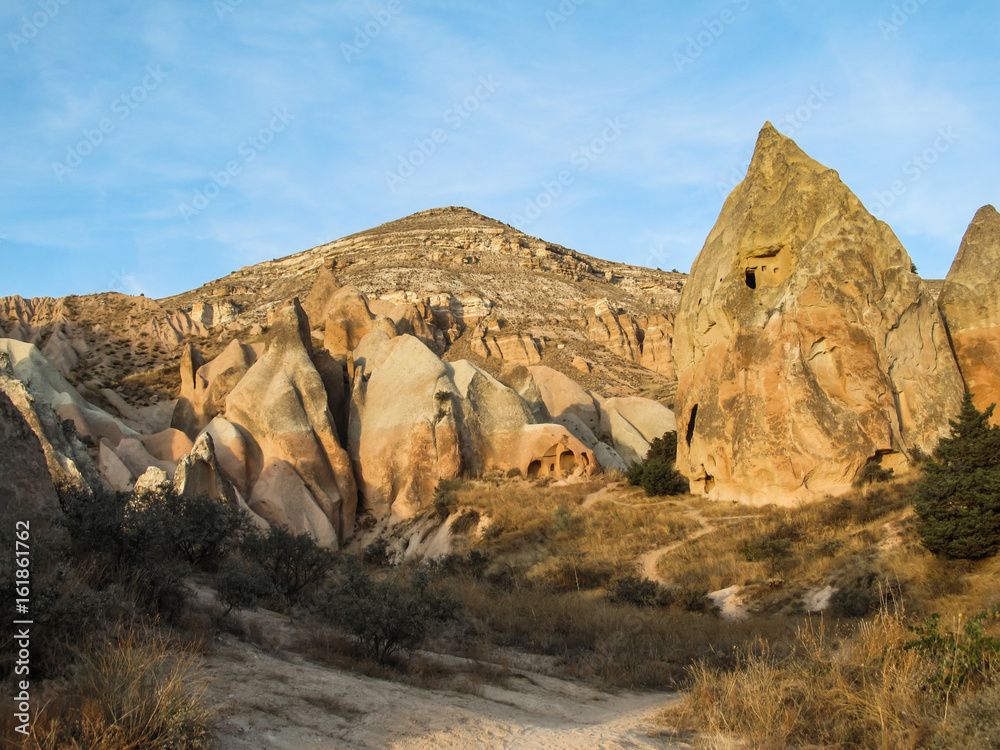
385, 615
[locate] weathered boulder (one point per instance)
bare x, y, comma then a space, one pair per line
281, 407
113, 469
281, 498
168, 445
230, 451
563, 395
324, 288
970, 302
349, 320
403, 434
631, 424
805, 345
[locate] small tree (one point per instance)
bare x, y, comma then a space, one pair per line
386, 616
293, 560
656, 474
958, 502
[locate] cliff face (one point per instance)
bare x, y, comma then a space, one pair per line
970, 302
805, 346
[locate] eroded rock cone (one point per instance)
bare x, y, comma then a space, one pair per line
970, 302
281, 408
805, 345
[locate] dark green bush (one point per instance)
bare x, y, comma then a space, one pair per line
293, 561
242, 585
872, 473
656, 474
639, 592
958, 502
386, 616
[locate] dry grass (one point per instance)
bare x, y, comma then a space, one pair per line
138, 693
608, 644
547, 534
865, 693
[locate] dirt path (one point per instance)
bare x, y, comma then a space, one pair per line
648, 562
283, 702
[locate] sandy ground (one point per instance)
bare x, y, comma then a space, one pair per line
280, 701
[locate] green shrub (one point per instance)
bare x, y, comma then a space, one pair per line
958, 502
293, 561
872, 473
385, 616
963, 655
656, 473
639, 592
242, 585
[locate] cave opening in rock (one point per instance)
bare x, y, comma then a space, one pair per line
691, 421
751, 278
534, 468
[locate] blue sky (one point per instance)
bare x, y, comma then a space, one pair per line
151, 147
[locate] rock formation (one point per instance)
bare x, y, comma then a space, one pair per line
805, 346
970, 302
417, 420
24, 474
205, 386
281, 408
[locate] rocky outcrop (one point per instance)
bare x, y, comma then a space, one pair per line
24, 474
631, 424
281, 408
349, 320
28, 365
618, 333
417, 420
657, 345
205, 386
563, 395
970, 302
518, 349
805, 345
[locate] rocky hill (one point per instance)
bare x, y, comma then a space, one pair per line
493, 292
350, 378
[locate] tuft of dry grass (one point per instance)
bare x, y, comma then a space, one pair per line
137, 693
867, 691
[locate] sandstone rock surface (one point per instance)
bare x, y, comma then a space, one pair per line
970, 302
805, 346
282, 410
27, 488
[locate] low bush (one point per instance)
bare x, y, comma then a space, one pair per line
386, 616
656, 473
292, 561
